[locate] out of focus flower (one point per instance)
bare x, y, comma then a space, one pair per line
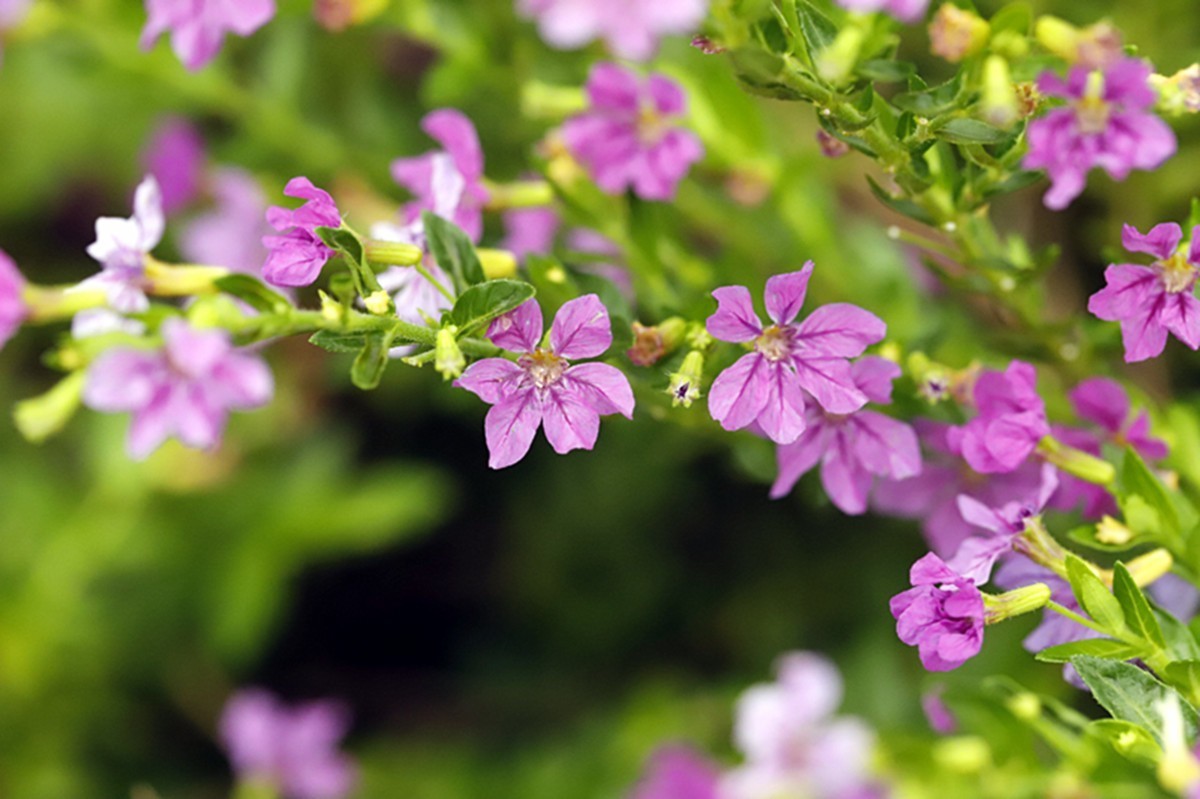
1106, 124
184, 390
292, 749
628, 139
942, 615
940, 719
1104, 403
831, 147
1010, 422
198, 27
677, 772
530, 231
1151, 301
175, 157
904, 10
448, 181
296, 257
767, 386
230, 234
956, 33
852, 448
122, 246
13, 310
630, 28
542, 388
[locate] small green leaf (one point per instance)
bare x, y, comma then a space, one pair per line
1185, 675
344, 241
480, 304
819, 32
1181, 642
453, 251
963, 130
371, 362
1094, 598
338, 342
1105, 648
930, 102
253, 292
1138, 613
885, 70
1176, 515
1013, 183
1132, 695
900, 205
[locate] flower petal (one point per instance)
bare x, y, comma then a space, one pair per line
1160, 242
1101, 401
490, 379
739, 393
519, 330
785, 294
831, 383
840, 329
510, 426
581, 328
782, 417
735, 320
569, 423
796, 458
845, 480
455, 132
602, 387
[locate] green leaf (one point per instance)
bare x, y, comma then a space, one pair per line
1132, 695
900, 205
1013, 183
1138, 613
371, 362
931, 102
344, 241
254, 293
759, 71
819, 32
970, 131
1106, 648
1185, 675
1175, 515
338, 342
478, 305
453, 251
1015, 17
1094, 598
1181, 642
1128, 739
885, 70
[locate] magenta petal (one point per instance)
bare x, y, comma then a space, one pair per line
1130, 291
735, 320
581, 328
930, 570
977, 555
797, 458
1160, 242
1101, 401
666, 95
980, 515
152, 424
569, 423
490, 379
611, 87
602, 387
782, 416
122, 380
885, 446
844, 479
874, 375
1181, 315
455, 132
739, 393
831, 383
840, 329
1144, 337
785, 294
519, 330
510, 426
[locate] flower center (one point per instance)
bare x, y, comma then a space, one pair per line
651, 125
543, 367
775, 343
1176, 274
1091, 111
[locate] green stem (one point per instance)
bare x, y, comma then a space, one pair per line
1078, 619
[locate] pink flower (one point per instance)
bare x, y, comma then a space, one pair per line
185, 390
854, 447
175, 156
1106, 124
530, 231
942, 615
448, 182
1011, 420
1150, 301
630, 28
293, 749
198, 26
909, 11
542, 387
296, 257
229, 234
13, 310
121, 247
677, 772
768, 385
627, 139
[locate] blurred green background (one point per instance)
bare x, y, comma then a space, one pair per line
528, 633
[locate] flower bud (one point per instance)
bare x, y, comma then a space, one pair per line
648, 345
169, 280
1180, 93
41, 417
497, 263
1146, 569
1000, 106
1058, 36
836, 62
1077, 462
378, 302
1001, 607
1025, 706
392, 253
956, 33
1178, 769
684, 385
965, 754
1111, 531
448, 359
831, 146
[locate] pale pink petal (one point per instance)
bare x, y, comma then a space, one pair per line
831, 383
243, 381
455, 132
510, 426
490, 379
581, 328
782, 417
840, 329
1160, 242
874, 375
735, 320
569, 423
122, 380
519, 330
602, 387
152, 424
739, 393
785, 294
611, 87
797, 458
885, 446
846, 482
976, 513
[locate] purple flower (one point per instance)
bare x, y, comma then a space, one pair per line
175, 156
293, 749
1005, 524
530, 231
296, 257
942, 615
792, 743
630, 28
121, 247
542, 388
198, 26
940, 719
13, 310
1104, 403
230, 234
932, 496
627, 139
448, 182
185, 390
904, 10
1105, 124
677, 772
854, 447
767, 386
1011, 420
1150, 301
